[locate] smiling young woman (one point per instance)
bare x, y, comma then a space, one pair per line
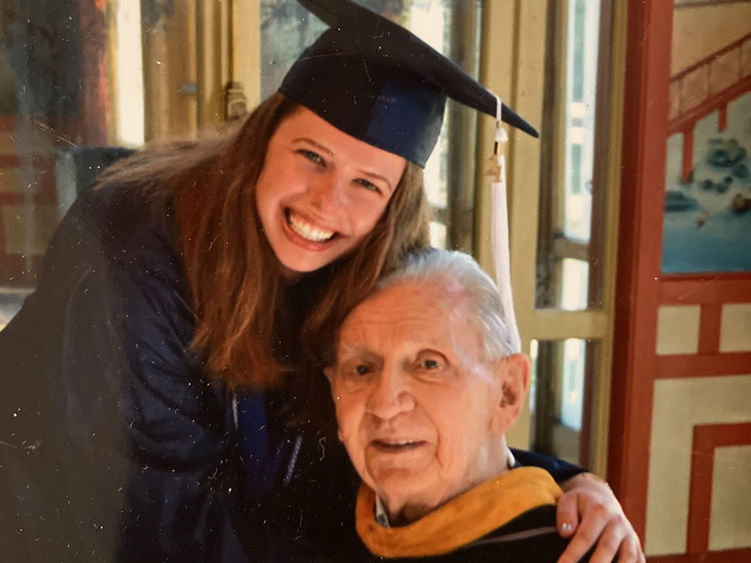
235, 200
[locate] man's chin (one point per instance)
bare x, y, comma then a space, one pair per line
399, 488
396, 478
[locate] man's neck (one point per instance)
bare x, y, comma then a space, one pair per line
408, 513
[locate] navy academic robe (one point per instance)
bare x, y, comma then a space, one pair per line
114, 445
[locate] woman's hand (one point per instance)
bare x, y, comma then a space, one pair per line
589, 511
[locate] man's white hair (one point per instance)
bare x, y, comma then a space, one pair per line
483, 300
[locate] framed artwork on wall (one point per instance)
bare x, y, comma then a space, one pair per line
707, 214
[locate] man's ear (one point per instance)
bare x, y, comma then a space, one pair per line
513, 376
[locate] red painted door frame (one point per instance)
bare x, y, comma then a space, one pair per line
645, 123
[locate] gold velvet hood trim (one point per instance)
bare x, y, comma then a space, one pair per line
460, 521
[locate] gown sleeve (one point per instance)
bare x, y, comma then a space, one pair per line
173, 450
135, 460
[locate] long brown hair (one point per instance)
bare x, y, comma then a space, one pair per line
236, 283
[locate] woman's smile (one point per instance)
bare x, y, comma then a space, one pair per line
308, 229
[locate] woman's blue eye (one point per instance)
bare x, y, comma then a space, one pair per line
311, 156
368, 185
362, 370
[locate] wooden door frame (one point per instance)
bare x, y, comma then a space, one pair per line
643, 158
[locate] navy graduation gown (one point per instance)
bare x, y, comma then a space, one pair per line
115, 445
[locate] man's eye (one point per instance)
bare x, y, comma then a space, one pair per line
368, 185
431, 364
311, 156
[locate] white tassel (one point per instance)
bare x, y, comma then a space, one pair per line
500, 229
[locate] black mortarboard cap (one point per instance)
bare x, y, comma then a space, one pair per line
379, 83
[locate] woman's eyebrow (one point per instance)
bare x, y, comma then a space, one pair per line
319, 146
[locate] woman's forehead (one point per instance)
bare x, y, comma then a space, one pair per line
303, 125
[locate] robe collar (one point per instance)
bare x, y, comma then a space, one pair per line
460, 521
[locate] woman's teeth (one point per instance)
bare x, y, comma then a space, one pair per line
308, 231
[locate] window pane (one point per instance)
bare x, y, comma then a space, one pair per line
570, 208
575, 275
71, 97
438, 234
561, 374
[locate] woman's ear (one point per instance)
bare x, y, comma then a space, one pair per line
513, 375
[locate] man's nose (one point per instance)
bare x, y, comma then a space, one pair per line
327, 191
391, 395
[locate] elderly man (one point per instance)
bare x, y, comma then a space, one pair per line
426, 385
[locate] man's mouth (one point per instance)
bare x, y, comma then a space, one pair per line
395, 446
306, 229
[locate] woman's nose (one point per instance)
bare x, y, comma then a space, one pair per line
390, 396
327, 192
